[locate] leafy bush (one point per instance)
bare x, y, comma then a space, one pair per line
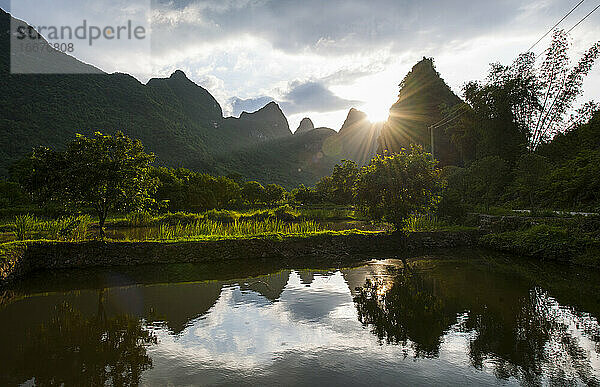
306, 195
253, 192
590, 225
452, 209
274, 193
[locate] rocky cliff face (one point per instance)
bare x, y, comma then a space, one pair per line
423, 97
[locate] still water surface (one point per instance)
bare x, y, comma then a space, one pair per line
454, 317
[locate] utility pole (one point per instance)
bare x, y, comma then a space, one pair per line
431, 142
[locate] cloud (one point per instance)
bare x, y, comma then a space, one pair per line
312, 96
297, 97
339, 27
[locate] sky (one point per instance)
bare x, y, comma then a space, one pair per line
316, 58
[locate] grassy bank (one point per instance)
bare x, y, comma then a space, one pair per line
574, 239
548, 242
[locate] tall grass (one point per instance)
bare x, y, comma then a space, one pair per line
139, 219
236, 228
69, 228
422, 223
24, 226
144, 219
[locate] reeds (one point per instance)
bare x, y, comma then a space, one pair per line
25, 225
144, 219
69, 228
139, 219
237, 228
422, 223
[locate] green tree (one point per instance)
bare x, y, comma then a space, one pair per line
452, 207
182, 189
530, 178
394, 187
12, 195
338, 188
496, 105
487, 179
253, 192
306, 195
566, 146
106, 173
324, 189
576, 184
274, 193
462, 132
521, 106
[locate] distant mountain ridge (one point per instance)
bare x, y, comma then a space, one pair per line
181, 122
178, 120
267, 123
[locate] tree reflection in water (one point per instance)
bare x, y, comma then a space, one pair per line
88, 351
528, 336
404, 310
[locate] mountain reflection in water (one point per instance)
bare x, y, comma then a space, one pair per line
478, 320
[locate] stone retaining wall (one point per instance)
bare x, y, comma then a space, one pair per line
26, 257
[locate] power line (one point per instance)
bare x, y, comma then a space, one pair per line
585, 17
556, 25
572, 28
444, 121
451, 117
458, 113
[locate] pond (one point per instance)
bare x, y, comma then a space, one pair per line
453, 317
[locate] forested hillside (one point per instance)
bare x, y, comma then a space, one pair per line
422, 100
178, 120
